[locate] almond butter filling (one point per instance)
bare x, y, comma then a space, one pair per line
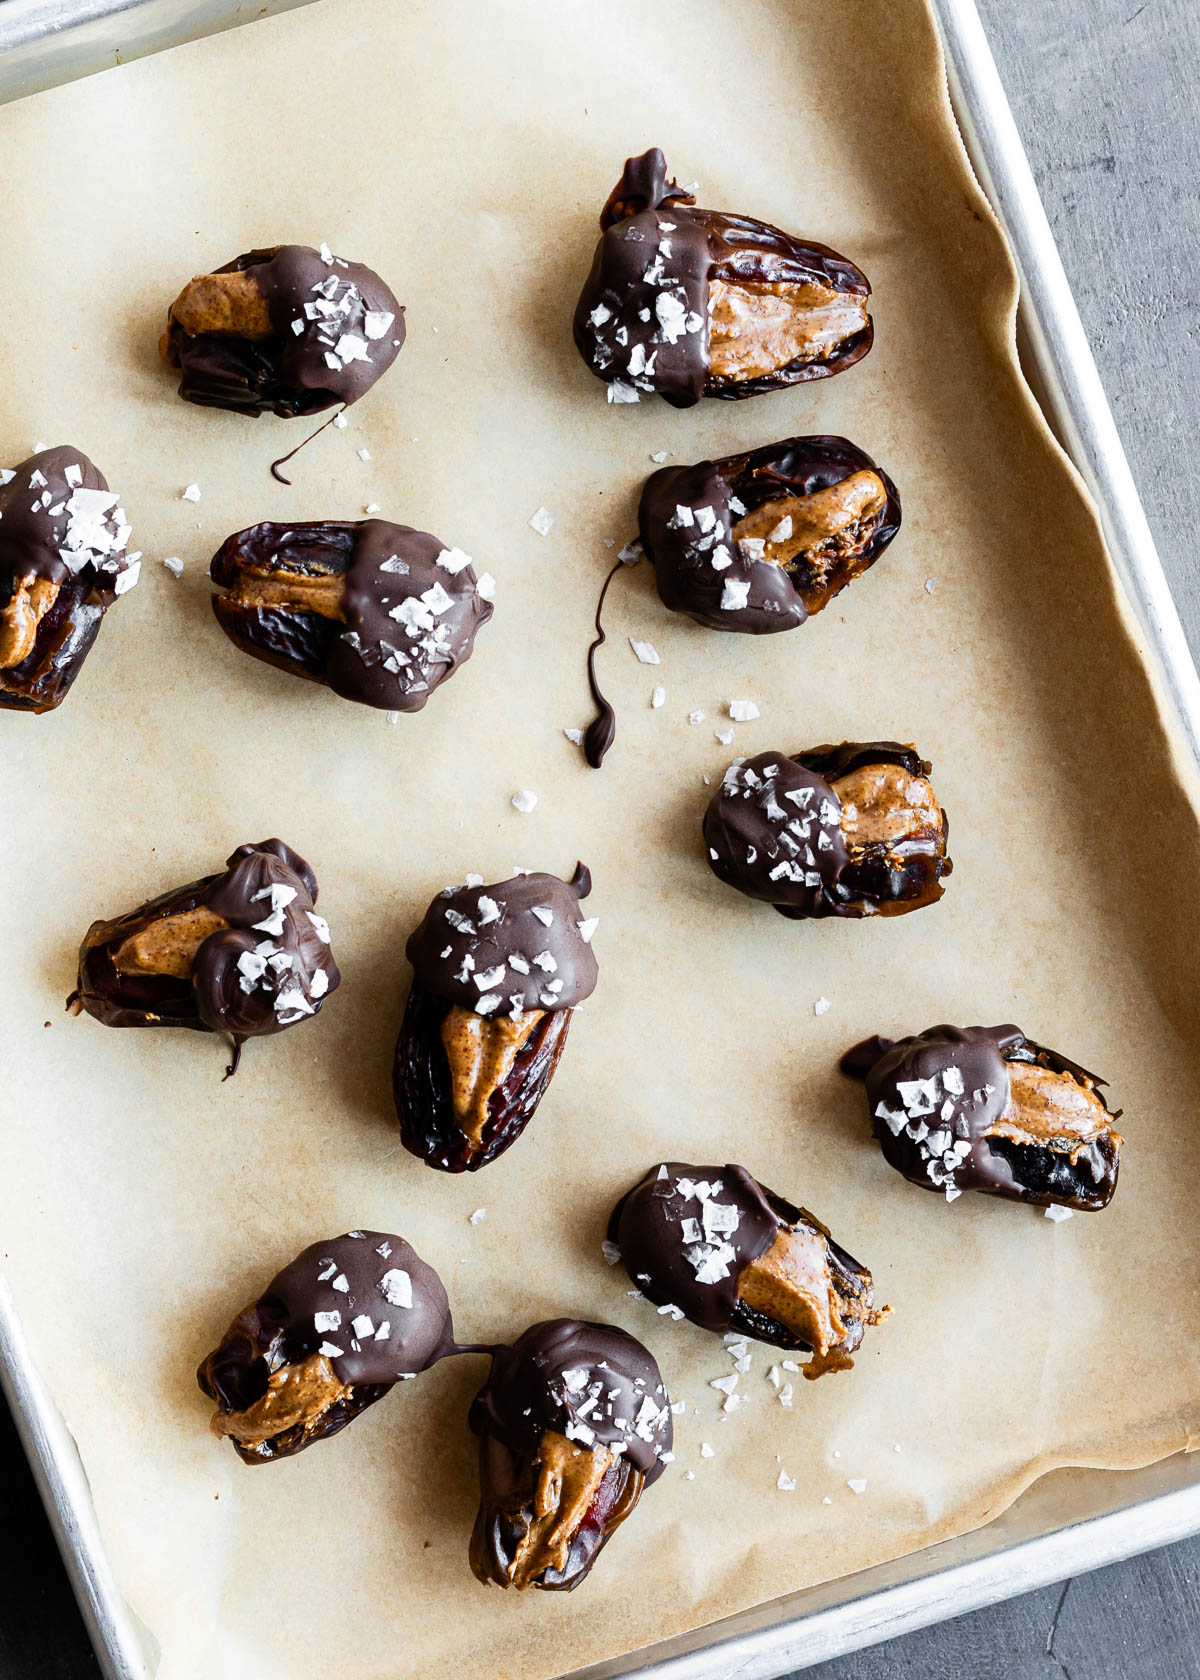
481, 1050
884, 804
757, 328
168, 945
567, 1479
835, 520
296, 1394
791, 1283
259, 589
31, 601
1046, 1107
230, 305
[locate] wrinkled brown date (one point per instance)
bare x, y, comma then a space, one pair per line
758, 542
241, 953
285, 330
850, 830
545, 1513
985, 1108
380, 613
332, 1332
573, 1423
731, 1255
273, 1399
282, 592
466, 1086
689, 302
66, 628
63, 562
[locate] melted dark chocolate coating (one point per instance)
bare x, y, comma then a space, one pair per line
546, 1379
408, 614
936, 1097
672, 1269
63, 555
336, 328
686, 519
642, 320
687, 1234
773, 831
268, 969
517, 942
344, 1298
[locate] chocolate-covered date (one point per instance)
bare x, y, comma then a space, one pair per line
63, 561
731, 1255
328, 1336
758, 542
573, 1423
381, 613
497, 973
985, 1108
285, 330
853, 830
242, 953
690, 302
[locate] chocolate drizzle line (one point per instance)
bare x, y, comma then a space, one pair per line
283, 459
602, 731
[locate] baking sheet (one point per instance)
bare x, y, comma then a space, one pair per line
144, 1201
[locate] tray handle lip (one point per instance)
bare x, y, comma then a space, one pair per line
62, 1483
891, 1611
1079, 411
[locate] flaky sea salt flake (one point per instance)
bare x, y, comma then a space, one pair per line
542, 520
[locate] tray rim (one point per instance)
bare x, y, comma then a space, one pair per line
936, 1582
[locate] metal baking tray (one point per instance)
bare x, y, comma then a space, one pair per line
1067, 1522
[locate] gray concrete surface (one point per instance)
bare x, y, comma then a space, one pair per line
1107, 96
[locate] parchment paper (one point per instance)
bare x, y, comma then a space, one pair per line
464, 150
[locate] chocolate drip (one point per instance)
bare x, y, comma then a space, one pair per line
861, 1058
602, 731
282, 460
